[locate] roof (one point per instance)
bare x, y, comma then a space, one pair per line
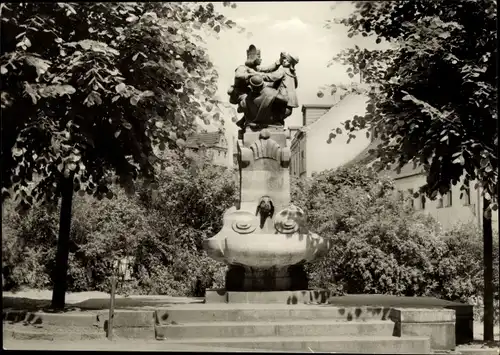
406, 171
304, 106
365, 158
207, 140
299, 134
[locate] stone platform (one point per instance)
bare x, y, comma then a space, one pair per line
282, 321
462, 319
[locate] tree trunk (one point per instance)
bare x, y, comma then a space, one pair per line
62, 255
488, 273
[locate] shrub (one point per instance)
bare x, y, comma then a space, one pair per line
460, 271
380, 246
27, 244
163, 230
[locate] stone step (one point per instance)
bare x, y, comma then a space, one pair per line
68, 319
29, 332
265, 313
344, 344
262, 329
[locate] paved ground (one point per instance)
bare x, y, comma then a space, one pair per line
31, 300
478, 331
106, 345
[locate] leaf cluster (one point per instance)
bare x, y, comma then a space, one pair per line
90, 90
433, 96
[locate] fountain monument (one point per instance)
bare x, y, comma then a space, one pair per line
265, 240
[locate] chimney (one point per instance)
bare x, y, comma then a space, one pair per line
311, 113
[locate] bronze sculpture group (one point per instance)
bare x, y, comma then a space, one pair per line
266, 95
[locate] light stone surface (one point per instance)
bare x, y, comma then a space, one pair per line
266, 235
437, 324
422, 315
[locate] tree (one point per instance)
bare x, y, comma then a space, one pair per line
433, 103
89, 89
161, 230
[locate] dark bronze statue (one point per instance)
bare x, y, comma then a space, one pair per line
244, 72
263, 105
271, 96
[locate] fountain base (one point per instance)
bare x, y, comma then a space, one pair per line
268, 297
243, 278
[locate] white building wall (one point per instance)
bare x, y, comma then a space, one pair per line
320, 154
460, 210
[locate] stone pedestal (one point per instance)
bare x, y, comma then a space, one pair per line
240, 278
264, 239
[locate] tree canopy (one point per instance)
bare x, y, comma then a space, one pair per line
433, 98
89, 89
433, 93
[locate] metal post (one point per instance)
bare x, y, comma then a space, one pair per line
112, 304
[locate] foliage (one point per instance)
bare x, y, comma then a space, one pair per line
380, 246
434, 94
461, 268
27, 242
163, 233
89, 89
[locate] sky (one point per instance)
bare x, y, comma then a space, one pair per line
294, 27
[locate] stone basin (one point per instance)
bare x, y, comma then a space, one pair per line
264, 248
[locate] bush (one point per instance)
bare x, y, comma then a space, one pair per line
380, 246
162, 229
460, 271
27, 246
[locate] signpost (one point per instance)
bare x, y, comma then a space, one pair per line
116, 268
121, 270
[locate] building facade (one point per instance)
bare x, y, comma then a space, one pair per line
213, 145
456, 206
312, 151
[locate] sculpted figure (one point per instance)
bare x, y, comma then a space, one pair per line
285, 80
262, 105
266, 209
244, 72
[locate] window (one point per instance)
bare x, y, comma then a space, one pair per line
422, 201
440, 202
412, 200
466, 197
448, 199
